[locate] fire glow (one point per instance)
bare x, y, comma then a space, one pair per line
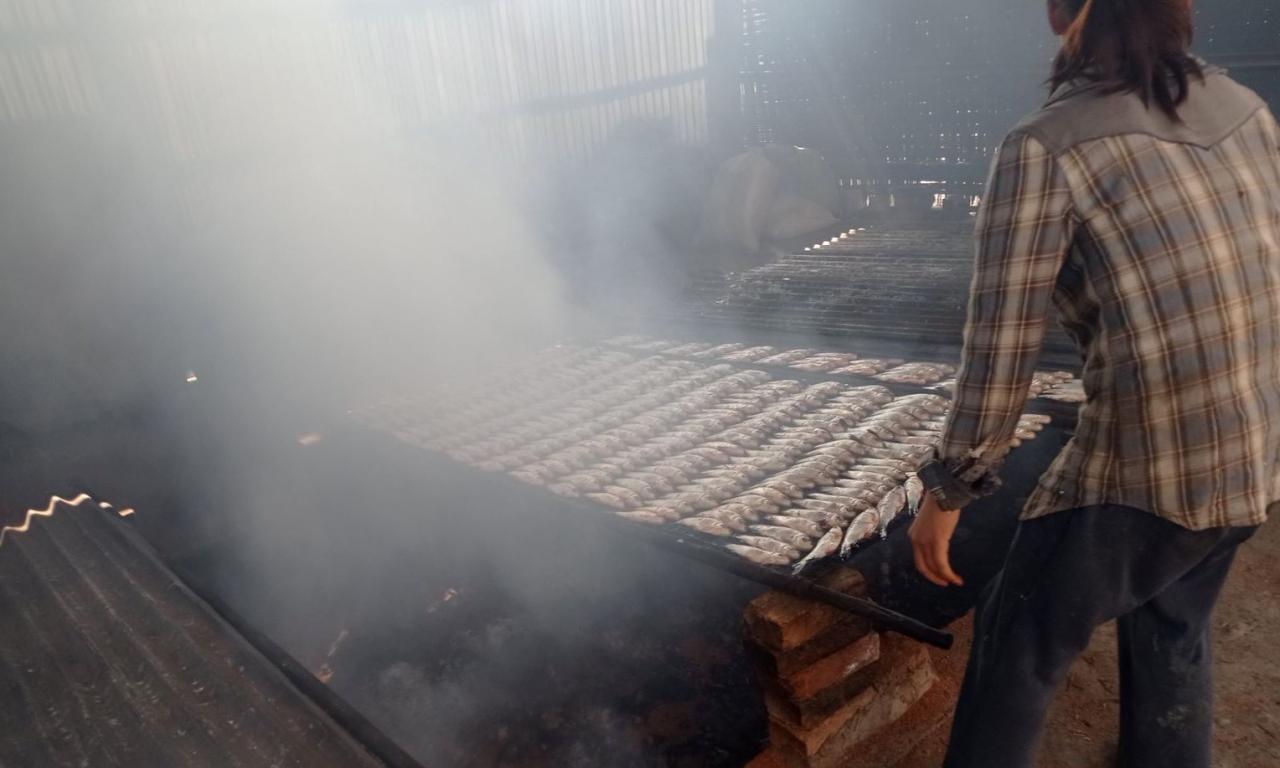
448, 595
325, 673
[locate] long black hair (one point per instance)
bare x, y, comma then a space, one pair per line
1138, 46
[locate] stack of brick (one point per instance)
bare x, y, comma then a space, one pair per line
833, 687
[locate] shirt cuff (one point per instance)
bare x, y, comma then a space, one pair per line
954, 486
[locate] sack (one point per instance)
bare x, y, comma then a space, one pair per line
794, 216
740, 202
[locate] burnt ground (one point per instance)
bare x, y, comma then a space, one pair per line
1083, 725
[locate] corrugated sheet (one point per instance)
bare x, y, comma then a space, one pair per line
107, 660
534, 76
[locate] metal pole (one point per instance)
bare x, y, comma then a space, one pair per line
878, 615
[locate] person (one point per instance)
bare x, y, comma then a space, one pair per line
1144, 201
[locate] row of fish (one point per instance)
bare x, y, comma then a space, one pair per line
920, 374
714, 432
576, 410
782, 459
1071, 391
848, 489
781, 471
564, 371
810, 360
864, 499
1050, 385
728, 441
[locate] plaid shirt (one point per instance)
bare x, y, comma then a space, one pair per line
1159, 243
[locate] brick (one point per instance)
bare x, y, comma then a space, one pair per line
899, 656
806, 713
781, 622
832, 670
902, 676
805, 742
926, 720
773, 664
848, 749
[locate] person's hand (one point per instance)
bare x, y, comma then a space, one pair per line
931, 539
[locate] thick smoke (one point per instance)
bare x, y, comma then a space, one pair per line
235, 196
227, 224
244, 193
237, 191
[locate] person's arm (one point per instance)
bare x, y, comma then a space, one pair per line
1024, 232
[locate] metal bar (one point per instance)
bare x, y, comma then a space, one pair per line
878, 615
685, 544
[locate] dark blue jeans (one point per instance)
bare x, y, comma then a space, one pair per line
1067, 573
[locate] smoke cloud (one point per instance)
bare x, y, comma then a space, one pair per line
240, 219
239, 193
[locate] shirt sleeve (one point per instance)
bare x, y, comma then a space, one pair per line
1024, 232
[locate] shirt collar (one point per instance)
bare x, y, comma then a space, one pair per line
1086, 83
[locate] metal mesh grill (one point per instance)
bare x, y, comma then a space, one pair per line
903, 285
782, 471
845, 366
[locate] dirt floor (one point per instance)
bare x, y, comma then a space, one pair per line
1082, 729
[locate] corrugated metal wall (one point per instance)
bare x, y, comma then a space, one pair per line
533, 76
40, 76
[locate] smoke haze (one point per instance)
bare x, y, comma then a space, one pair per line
238, 194
240, 219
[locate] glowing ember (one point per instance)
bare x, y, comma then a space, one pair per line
104, 504
325, 672
311, 438
448, 595
126, 512
191, 377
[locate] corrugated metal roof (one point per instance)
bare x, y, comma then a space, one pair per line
106, 659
